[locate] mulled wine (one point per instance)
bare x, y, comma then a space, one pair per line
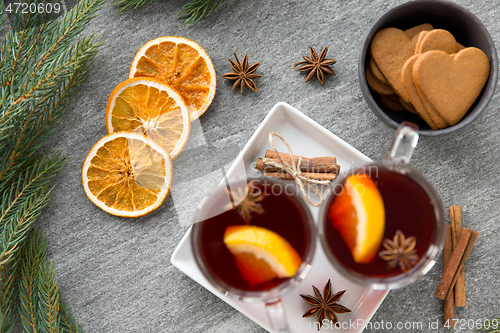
387, 211
260, 242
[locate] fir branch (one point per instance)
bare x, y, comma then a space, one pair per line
41, 68
125, 5
41, 73
21, 223
67, 321
191, 12
20, 207
44, 115
23, 205
42, 308
33, 259
49, 300
8, 275
197, 9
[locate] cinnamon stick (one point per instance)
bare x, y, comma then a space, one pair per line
316, 164
456, 227
449, 308
458, 258
472, 240
312, 175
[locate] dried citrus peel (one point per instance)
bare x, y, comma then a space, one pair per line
127, 174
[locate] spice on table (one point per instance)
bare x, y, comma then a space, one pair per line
449, 306
456, 228
242, 74
324, 306
318, 65
457, 260
400, 251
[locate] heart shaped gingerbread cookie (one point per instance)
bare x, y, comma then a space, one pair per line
412, 32
407, 78
437, 39
390, 48
451, 82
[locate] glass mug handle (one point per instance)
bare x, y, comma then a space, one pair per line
403, 143
276, 315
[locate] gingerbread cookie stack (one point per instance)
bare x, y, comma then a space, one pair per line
427, 72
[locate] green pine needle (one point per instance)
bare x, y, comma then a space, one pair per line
8, 275
49, 300
197, 9
22, 204
33, 260
191, 12
42, 308
125, 5
41, 73
67, 321
42, 66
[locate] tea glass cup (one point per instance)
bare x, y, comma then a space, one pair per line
396, 162
216, 203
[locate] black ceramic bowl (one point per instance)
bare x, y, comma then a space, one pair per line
467, 30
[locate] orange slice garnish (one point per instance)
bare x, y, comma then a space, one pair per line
359, 215
261, 254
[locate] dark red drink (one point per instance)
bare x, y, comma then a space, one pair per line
280, 213
408, 208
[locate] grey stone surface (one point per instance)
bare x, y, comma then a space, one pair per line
115, 273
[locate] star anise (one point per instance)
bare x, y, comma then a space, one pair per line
318, 65
324, 306
400, 251
246, 203
243, 74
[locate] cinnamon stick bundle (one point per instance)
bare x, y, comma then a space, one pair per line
316, 164
311, 175
317, 168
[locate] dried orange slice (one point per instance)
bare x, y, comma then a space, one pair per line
261, 254
359, 215
127, 174
181, 63
152, 108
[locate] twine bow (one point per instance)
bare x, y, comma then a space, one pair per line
293, 170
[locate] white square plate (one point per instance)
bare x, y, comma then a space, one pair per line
307, 138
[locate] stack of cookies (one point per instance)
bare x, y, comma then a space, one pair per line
427, 72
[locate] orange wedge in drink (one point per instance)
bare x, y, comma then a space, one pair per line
261, 254
358, 213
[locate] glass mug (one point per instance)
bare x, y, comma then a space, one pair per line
351, 215
282, 211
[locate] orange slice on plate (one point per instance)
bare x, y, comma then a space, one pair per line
127, 174
183, 64
261, 254
152, 108
359, 215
